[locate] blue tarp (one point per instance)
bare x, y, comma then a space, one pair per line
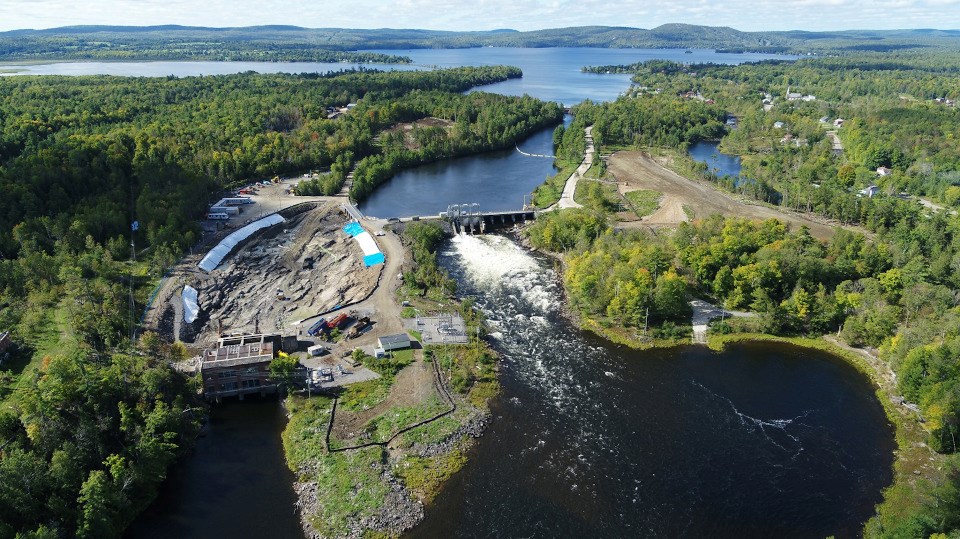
373, 260
354, 229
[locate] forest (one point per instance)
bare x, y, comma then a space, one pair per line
91, 412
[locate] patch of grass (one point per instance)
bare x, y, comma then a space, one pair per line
408, 312
415, 334
688, 211
425, 475
47, 332
365, 395
383, 427
435, 431
644, 201
550, 190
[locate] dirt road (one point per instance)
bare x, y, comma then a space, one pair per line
637, 170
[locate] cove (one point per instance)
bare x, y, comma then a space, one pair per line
719, 163
594, 440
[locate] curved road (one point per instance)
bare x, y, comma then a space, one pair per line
570, 188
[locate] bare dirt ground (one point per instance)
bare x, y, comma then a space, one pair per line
637, 170
241, 296
413, 386
407, 130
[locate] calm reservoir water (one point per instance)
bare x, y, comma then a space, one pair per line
593, 440
719, 163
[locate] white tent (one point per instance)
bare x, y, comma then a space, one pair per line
218, 253
191, 306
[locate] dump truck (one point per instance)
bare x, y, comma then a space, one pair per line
358, 328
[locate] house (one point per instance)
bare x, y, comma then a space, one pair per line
884, 171
838, 122
825, 120
238, 366
870, 191
394, 342
778, 125
794, 96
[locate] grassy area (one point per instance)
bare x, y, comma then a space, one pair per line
48, 333
349, 485
597, 196
644, 201
678, 335
425, 475
365, 395
385, 426
550, 190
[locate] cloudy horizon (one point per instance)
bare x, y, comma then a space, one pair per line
755, 15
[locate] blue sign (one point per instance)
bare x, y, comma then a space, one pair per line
135, 226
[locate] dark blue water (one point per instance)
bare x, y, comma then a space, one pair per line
500, 180
718, 162
593, 440
496, 180
554, 73
234, 484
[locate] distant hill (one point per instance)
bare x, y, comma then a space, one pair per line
280, 42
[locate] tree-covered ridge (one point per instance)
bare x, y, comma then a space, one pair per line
292, 43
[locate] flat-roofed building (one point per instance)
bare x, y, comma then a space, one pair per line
394, 342
238, 366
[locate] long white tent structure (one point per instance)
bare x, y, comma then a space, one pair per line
218, 253
191, 305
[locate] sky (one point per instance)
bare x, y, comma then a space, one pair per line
747, 15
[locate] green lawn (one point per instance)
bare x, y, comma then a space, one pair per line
644, 201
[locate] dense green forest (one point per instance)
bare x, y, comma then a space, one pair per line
292, 43
90, 419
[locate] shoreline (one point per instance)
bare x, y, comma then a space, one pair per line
913, 460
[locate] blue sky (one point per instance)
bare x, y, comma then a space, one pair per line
489, 14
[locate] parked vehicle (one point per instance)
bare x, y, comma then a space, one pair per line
317, 327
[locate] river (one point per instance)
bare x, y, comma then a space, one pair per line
587, 439
234, 484
593, 440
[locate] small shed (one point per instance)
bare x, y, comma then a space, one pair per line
394, 342
316, 350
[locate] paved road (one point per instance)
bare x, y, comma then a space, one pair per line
566, 199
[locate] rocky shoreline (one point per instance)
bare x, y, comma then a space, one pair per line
401, 510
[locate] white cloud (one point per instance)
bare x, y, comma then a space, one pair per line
487, 14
